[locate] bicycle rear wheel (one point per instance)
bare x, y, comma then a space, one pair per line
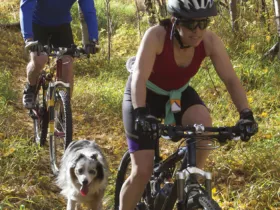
63, 128
123, 173
40, 116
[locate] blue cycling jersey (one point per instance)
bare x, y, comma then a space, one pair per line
55, 13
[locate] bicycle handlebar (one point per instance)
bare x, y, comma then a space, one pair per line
73, 51
199, 131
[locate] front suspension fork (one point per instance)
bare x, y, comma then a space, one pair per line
184, 175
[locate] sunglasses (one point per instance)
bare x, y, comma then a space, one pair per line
193, 24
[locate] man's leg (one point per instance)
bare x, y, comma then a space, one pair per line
33, 70
62, 37
198, 114
67, 71
133, 188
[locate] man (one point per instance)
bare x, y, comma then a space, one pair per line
48, 22
169, 55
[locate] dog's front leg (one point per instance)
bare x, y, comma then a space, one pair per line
96, 203
71, 205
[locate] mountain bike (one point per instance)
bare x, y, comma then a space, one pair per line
52, 114
177, 177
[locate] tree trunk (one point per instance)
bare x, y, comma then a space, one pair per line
233, 16
84, 28
263, 10
275, 50
162, 8
277, 19
109, 28
151, 12
138, 19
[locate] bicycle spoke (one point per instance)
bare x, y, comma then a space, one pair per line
62, 127
40, 116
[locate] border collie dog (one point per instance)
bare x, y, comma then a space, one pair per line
83, 175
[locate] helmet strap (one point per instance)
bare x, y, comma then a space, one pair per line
175, 33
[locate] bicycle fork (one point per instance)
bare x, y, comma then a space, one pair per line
182, 189
51, 103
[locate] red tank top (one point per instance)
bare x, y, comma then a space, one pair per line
167, 74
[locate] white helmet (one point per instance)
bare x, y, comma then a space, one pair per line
188, 9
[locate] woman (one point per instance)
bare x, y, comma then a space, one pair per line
168, 56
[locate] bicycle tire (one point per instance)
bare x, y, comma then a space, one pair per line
63, 128
125, 161
40, 117
121, 176
203, 202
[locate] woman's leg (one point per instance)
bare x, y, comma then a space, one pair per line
133, 188
198, 114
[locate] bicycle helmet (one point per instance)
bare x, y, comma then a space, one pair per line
188, 9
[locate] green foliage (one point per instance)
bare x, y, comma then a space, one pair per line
103, 92
7, 94
125, 41
257, 30
120, 12
6, 91
253, 181
9, 12
246, 175
19, 168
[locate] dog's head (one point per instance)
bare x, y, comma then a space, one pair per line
85, 170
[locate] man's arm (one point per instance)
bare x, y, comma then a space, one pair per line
88, 9
26, 13
224, 69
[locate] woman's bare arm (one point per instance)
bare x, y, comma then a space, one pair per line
224, 69
143, 66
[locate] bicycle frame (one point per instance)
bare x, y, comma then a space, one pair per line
41, 82
186, 172
55, 102
51, 98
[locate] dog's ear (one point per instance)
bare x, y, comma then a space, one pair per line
100, 171
78, 157
94, 156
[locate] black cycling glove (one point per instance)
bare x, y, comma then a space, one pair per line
33, 46
247, 125
92, 47
146, 124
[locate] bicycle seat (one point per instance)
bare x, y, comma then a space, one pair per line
130, 64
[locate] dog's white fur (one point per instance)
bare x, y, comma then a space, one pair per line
83, 161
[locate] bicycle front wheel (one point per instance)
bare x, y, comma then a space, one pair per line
63, 128
122, 175
201, 202
124, 171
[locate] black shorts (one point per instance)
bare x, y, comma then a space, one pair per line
57, 36
156, 106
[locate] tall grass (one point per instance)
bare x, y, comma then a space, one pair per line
7, 95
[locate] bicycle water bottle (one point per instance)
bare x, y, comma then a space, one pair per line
163, 194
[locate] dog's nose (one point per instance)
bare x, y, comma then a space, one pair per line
85, 182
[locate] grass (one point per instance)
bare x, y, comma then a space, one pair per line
245, 175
